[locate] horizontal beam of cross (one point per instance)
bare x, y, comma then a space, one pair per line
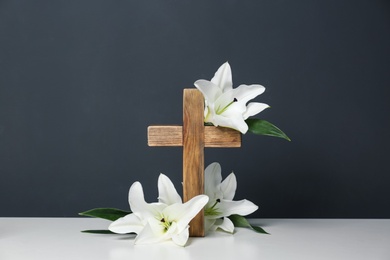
171, 135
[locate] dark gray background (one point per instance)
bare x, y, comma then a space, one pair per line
80, 81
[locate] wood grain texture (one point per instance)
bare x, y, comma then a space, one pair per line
167, 135
193, 153
221, 137
170, 135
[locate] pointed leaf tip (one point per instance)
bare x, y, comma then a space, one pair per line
263, 127
240, 221
105, 213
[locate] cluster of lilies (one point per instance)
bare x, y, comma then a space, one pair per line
168, 219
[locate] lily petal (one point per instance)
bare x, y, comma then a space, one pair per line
209, 223
182, 237
209, 90
229, 186
182, 214
167, 192
213, 178
225, 224
238, 123
230, 100
241, 207
136, 198
127, 224
254, 108
138, 205
148, 236
223, 77
244, 93
156, 226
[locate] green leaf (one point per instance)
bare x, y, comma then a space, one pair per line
240, 221
102, 231
98, 231
262, 127
105, 213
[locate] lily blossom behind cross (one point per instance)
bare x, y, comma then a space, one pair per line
221, 204
225, 106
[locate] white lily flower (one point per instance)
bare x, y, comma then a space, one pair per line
221, 204
167, 219
225, 106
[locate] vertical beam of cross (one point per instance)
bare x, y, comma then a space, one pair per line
193, 136
193, 153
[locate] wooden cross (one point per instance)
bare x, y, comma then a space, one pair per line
193, 136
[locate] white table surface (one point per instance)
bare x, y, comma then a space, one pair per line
60, 238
